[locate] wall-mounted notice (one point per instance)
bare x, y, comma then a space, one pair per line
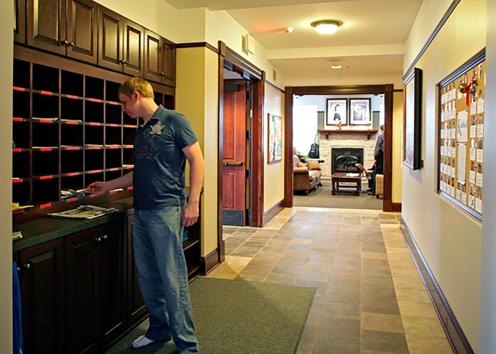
461, 135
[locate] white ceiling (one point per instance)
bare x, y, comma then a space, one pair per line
370, 41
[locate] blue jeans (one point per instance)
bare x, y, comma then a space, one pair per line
163, 276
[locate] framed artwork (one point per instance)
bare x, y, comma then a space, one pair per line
275, 138
337, 109
360, 111
412, 120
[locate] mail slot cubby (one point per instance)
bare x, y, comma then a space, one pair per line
20, 164
45, 78
113, 114
113, 158
21, 104
22, 73
71, 135
110, 175
71, 161
113, 135
45, 163
94, 112
127, 120
93, 177
21, 134
111, 93
94, 88
128, 135
45, 134
72, 83
127, 156
21, 193
46, 190
94, 135
93, 159
72, 182
71, 109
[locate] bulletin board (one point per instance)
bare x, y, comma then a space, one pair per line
461, 135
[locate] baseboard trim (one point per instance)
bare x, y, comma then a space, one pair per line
456, 337
273, 211
396, 207
210, 261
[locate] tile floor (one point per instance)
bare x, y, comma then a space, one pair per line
369, 296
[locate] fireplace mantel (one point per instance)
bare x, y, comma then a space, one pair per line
368, 132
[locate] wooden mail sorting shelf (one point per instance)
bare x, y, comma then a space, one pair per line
368, 132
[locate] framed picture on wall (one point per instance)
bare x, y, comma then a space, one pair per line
360, 111
275, 138
412, 120
337, 109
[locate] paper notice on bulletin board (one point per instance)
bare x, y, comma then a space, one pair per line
462, 127
462, 157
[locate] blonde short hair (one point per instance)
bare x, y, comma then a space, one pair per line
136, 84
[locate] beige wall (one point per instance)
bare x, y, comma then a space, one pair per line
6, 40
274, 172
397, 146
488, 287
449, 240
197, 99
334, 79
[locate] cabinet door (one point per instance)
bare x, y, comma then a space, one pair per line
153, 56
169, 64
136, 306
81, 315
111, 296
40, 273
46, 25
109, 39
133, 48
20, 21
82, 30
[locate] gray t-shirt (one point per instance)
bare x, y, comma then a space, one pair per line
159, 161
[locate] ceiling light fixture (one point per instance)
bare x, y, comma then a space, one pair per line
326, 26
336, 66
290, 30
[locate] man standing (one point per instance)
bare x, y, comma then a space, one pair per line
161, 210
378, 167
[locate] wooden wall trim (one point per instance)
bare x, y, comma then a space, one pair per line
210, 262
273, 211
196, 45
396, 207
451, 326
388, 147
288, 148
237, 60
274, 86
398, 90
433, 35
337, 90
220, 167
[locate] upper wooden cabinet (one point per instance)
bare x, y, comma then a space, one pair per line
20, 21
120, 45
160, 59
66, 27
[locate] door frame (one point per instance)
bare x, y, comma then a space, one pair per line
231, 60
386, 89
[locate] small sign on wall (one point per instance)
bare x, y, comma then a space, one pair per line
248, 44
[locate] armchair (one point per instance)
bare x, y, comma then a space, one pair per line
306, 177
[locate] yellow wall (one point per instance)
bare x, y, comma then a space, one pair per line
273, 173
397, 145
197, 99
449, 240
6, 40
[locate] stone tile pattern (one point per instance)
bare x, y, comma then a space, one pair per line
369, 295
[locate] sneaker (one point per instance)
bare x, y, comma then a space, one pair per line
141, 341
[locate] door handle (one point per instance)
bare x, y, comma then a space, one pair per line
232, 163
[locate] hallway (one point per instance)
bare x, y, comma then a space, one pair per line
369, 297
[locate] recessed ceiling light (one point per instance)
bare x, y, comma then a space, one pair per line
326, 26
336, 66
290, 29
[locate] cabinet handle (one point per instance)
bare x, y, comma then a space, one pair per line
120, 61
162, 74
72, 44
65, 42
125, 61
98, 239
105, 237
27, 265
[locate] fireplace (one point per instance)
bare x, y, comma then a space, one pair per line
345, 159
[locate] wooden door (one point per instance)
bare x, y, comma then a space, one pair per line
153, 56
110, 39
133, 48
81, 315
111, 287
46, 25
20, 21
40, 272
82, 30
169, 63
234, 154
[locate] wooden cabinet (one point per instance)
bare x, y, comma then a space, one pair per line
160, 59
120, 43
20, 21
41, 280
66, 27
95, 287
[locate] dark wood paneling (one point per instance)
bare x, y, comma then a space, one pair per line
272, 212
133, 48
451, 326
82, 30
153, 56
210, 261
198, 44
220, 167
20, 21
110, 39
396, 207
169, 64
388, 147
257, 152
42, 300
288, 148
46, 25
